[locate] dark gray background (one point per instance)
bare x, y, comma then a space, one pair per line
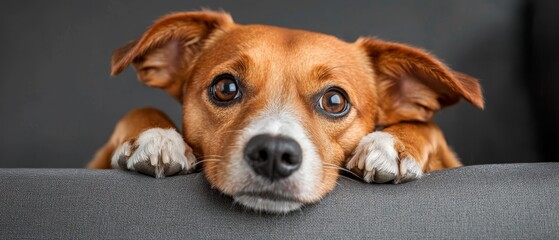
58, 103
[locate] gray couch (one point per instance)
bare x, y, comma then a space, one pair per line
483, 202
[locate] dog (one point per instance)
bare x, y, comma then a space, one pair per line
273, 115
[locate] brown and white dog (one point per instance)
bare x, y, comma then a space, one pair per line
275, 114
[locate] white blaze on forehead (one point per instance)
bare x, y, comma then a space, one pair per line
276, 119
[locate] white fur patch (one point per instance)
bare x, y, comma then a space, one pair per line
160, 147
376, 157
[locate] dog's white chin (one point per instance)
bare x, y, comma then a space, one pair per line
267, 205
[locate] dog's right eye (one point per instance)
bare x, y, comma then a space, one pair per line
334, 103
224, 90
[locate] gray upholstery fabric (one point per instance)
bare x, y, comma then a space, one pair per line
482, 202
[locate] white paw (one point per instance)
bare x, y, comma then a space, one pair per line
376, 157
157, 152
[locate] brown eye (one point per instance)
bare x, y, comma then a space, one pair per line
334, 103
224, 89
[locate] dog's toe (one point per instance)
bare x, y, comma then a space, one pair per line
409, 171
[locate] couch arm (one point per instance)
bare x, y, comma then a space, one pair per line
484, 201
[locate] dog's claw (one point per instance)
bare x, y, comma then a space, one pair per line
378, 161
158, 171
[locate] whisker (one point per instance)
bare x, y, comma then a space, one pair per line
210, 160
342, 176
342, 169
210, 169
351, 179
334, 175
210, 156
206, 160
234, 131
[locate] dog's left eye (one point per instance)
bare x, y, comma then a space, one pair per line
224, 89
334, 103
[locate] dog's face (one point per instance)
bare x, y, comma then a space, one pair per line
273, 113
280, 110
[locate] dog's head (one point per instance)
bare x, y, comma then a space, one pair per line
274, 112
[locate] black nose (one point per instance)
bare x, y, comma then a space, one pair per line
273, 157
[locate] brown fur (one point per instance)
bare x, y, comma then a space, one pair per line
388, 84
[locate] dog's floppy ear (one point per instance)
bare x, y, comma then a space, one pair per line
164, 51
412, 85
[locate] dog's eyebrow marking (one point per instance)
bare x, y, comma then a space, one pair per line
322, 72
241, 64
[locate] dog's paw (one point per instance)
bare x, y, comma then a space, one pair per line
157, 152
377, 160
